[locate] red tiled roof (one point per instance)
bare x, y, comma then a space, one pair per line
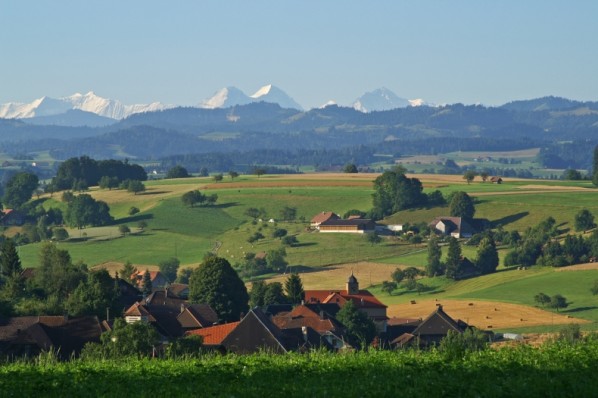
324, 216
303, 316
364, 299
139, 275
214, 334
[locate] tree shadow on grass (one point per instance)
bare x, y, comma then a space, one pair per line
225, 205
305, 269
509, 219
305, 244
135, 218
578, 309
151, 193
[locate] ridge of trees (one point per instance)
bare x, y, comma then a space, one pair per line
84, 172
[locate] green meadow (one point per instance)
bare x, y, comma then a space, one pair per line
175, 230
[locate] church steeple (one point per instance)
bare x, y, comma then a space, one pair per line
352, 285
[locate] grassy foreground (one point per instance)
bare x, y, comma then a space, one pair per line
552, 370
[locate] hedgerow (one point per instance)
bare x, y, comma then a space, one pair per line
555, 369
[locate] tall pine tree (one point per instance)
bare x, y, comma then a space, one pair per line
294, 288
453, 258
434, 266
10, 264
146, 284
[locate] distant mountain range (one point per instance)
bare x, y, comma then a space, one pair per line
94, 111
90, 102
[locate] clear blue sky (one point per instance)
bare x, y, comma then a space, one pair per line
181, 52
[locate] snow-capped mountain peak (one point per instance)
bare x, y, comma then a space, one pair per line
232, 96
90, 102
271, 93
381, 99
265, 90
225, 98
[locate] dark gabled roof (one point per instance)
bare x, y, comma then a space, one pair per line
75, 333
200, 315
304, 339
255, 332
438, 323
178, 290
161, 299
67, 334
454, 224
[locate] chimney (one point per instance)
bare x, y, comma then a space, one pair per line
182, 308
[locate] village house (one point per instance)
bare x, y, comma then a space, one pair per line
362, 299
159, 281
430, 331
30, 335
172, 316
456, 227
323, 217
257, 332
354, 225
302, 316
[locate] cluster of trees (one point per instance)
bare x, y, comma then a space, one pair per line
57, 287
83, 210
539, 245
263, 293
177, 171
394, 192
19, 189
80, 173
556, 301
274, 261
405, 278
456, 266
195, 197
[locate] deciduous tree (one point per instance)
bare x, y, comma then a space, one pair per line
216, 283
584, 220
19, 189
169, 268
177, 172
361, 330
487, 258
461, 205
